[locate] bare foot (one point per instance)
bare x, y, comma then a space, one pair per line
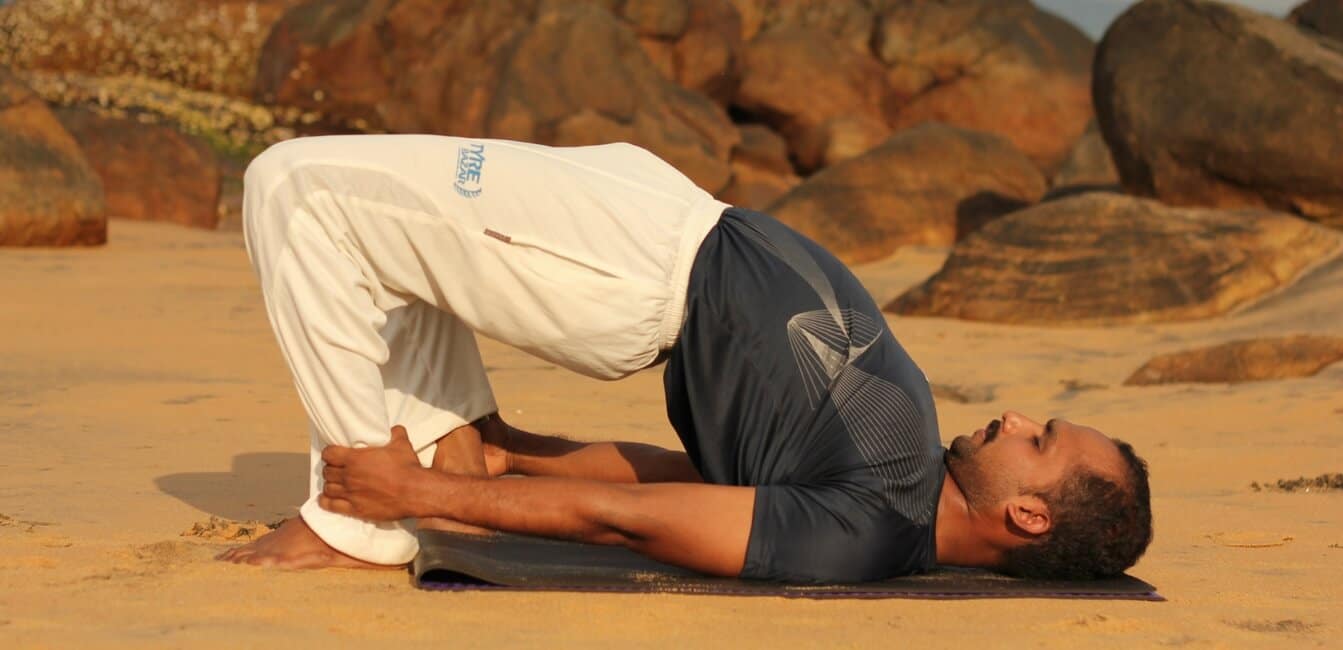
459, 452
294, 546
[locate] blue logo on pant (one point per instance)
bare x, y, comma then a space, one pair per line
470, 164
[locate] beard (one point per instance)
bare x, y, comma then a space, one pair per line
971, 476
982, 486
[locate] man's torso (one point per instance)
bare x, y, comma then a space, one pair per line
786, 377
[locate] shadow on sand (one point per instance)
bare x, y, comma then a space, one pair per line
259, 486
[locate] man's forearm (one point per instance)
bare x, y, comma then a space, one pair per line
531, 454
699, 526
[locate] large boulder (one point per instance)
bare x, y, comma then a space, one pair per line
49, 195
554, 73
761, 171
1324, 17
1001, 66
815, 89
201, 44
696, 43
1240, 361
848, 21
1103, 259
1209, 104
926, 185
149, 172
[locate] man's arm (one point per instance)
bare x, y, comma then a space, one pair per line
509, 450
698, 526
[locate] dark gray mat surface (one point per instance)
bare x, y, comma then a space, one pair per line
454, 562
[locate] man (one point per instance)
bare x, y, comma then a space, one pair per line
811, 443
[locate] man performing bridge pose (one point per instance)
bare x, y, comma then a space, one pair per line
811, 445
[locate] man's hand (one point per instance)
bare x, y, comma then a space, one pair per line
372, 483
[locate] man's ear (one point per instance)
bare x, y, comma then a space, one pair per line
1029, 514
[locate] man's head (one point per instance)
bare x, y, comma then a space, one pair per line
1072, 503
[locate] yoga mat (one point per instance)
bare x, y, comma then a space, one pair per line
458, 562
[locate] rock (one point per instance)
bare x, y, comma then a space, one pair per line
926, 185
209, 45
708, 56
756, 188
1324, 17
658, 18
761, 147
1256, 124
1239, 361
752, 14
798, 80
547, 72
1107, 259
704, 54
49, 195
1087, 168
837, 139
848, 22
761, 172
149, 172
596, 65
326, 56
1000, 66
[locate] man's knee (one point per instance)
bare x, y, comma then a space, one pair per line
265, 224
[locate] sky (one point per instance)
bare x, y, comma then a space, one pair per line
1093, 16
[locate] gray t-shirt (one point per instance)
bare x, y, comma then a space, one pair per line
786, 377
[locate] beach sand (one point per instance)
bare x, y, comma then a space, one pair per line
141, 393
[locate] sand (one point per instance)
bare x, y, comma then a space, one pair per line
141, 394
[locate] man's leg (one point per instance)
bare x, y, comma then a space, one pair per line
436, 387
336, 327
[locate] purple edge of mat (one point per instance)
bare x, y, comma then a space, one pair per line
1150, 596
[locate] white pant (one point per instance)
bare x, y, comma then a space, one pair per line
379, 256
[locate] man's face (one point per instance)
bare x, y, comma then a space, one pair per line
1016, 455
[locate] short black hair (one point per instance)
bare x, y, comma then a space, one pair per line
1100, 528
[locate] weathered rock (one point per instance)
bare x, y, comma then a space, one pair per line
761, 172
1103, 259
596, 65
925, 185
1240, 361
149, 172
707, 56
837, 139
756, 188
49, 195
799, 80
1324, 17
207, 45
554, 73
1087, 168
752, 14
850, 22
659, 18
761, 147
327, 56
1000, 66
1249, 117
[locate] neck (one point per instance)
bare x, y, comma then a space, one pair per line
959, 540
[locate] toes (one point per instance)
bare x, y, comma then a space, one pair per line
239, 555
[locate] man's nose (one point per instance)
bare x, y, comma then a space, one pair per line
1017, 424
